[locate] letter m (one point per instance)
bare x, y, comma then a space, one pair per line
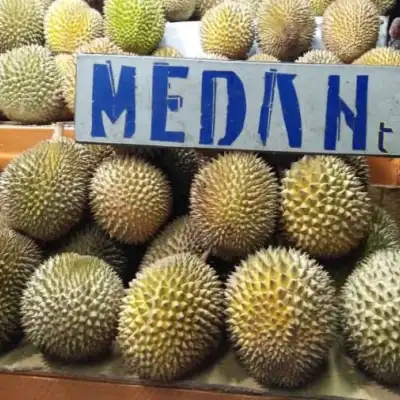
112, 101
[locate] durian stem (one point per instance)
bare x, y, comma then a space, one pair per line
58, 131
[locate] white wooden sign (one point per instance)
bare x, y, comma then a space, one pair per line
280, 107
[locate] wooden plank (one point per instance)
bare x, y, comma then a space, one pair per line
34, 387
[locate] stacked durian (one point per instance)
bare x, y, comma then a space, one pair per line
72, 215
40, 40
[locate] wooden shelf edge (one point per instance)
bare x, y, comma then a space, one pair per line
45, 386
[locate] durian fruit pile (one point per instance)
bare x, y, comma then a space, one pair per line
40, 40
250, 255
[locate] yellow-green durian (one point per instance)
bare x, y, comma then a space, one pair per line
30, 85
70, 307
136, 26
263, 57
214, 56
19, 256
202, 6
171, 317
350, 28
179, 236
319, 6
360, 166
370, 315
227, 29
166, 51
284, 29
380, 56
71, 23
383, 232
130, 199
178, 10
44, 189
325, 208
21, 23
233, 203
90, 240
384, 5
282, 316
319, 57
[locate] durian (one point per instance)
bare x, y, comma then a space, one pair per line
360, 166
370, 315
71, 23
263, 57
202, 6
166, 52
285, 29
319, 6
383, 232
233, 203
179, 10
181, 165
70, 307
380, 56
227, 29
92, 241
136, 26
214, 56
319, 57
21, 23
179, 236
350, 28
102, 45
326, 209
171, 317
282, 315
130, 199
19, 256
384, 5
44, 189
30, 85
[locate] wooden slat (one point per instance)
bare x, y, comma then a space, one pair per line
29, 387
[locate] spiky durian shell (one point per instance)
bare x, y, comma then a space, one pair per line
70, 307
171, 317
233, 203
71, 23
319, 6
30, 85
179, 10
19, 256
326, 210
384, 5
44, 189
282, 315
380, 56
181, 165
284, 29
179, 236
360, 166
202, 6
21, 23
344, 30
227, 29
92, 241
263, 57
130, 199
319, 57
166, 52
134, 25
214, 56
370, 315
383, 232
